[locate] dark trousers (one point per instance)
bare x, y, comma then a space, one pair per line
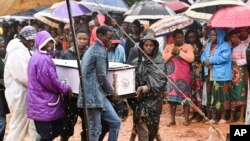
48, 130
2, 127
71, 114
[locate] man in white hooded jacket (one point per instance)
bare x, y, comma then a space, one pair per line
16, 81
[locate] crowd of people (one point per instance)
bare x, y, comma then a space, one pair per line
205, 65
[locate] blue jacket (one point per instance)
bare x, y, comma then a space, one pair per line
221, 58
94, 70
117, 54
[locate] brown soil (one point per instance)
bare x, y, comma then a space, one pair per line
193, 132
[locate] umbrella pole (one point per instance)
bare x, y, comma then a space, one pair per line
80, 71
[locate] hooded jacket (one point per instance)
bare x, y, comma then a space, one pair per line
221, 58
148, 106
44, 87
15, 74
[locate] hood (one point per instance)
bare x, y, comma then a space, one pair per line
220, 35
101, 19
14, 44
152, 38
42, 38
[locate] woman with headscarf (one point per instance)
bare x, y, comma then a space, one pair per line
178, 57
217, 60
150, 85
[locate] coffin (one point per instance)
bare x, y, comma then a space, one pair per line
68, 73
122, 75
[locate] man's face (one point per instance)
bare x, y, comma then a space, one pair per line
29, 44
106, 39
82, 40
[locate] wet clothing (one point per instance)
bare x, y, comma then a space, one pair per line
148, 106
72, 111
44, 89
44, 104
96, 88
3, 104
220, 57
179, 72
16, 83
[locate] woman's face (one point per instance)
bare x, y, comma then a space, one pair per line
235, 40
149, 47
213, 36
191, 37
179, 39
49, 46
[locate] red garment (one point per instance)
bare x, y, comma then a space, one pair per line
101, 20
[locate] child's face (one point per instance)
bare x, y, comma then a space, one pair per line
191, 38
235, 40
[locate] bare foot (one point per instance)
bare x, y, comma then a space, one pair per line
171, 123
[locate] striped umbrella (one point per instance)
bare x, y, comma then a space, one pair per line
169, 24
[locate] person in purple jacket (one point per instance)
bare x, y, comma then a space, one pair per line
44, 103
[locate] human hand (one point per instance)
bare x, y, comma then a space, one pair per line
210, 67
206, 63
115, 96
175, 51
139, 91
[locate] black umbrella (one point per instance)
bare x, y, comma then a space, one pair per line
148, 10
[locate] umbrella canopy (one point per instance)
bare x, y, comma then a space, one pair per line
148, 10
77, 9
176, 5
204, 9
169, 24
237, 16
248, 2
9, 7
108, 5
46, 17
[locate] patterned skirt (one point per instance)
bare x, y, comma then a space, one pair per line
218, 95
238, 86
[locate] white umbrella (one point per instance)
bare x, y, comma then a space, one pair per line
204, 9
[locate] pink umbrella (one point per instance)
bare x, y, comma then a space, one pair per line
237, 16
177, 6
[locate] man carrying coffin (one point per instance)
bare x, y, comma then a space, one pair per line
70, 103
96, 86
